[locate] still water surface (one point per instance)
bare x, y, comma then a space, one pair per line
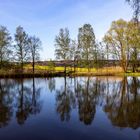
80, 108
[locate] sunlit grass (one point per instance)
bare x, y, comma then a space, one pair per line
105, 71
78, 70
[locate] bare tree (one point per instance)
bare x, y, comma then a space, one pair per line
35, 47
5, 43
21, 46
135, 4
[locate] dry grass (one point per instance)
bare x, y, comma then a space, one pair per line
103, 70
45, 70
110, 70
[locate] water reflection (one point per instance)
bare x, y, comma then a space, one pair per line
83, 93
64, 101
6, 100
27, 101
117, 97
87, 101
123, 107
20, 98
51, 84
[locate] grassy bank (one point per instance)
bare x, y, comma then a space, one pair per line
45, 71
30, 75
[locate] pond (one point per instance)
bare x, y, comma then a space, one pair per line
70, 108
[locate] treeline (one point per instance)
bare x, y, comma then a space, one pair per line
121, 42
22, 48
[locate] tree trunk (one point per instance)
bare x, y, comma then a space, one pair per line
65, 69
134, 67
1, 61
124, 65
88, 65
74, 66
22, 66
33, 65
135, 60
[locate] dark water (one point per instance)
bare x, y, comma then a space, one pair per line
94, 108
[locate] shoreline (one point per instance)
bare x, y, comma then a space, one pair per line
62, 74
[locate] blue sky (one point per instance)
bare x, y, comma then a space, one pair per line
44, 18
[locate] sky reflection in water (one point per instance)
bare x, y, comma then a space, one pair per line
70, 108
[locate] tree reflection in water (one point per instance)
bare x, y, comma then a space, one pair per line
16, 96
84, 95
51, 84
64, 101
119, 98
123, 108
28, 101
6, 101
87, 101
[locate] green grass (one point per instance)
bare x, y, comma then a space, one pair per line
59, 69
79, 70
132, 74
